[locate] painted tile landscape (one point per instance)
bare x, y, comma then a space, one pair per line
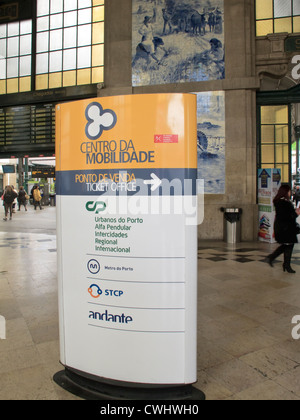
177, 41
211, 141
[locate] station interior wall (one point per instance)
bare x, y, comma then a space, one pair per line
240, 86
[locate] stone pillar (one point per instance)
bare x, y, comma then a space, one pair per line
117, 58
240, 87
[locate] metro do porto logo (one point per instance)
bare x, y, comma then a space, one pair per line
99, 120
93, 266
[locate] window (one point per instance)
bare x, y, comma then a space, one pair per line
69, 44
274, 16
274, 138
15, 57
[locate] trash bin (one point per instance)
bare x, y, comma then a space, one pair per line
52, 200
232, 225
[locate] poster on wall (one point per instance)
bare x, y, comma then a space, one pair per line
177, 41
269, 182
211, 141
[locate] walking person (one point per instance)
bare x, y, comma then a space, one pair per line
15, 200
37, 197
8, 199
22, 198
285, 227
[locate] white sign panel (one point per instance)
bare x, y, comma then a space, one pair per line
127, 238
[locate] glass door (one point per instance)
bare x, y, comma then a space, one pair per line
275, 139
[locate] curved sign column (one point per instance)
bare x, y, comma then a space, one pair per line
127, 239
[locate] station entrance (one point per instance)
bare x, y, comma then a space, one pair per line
29, 172
278, 126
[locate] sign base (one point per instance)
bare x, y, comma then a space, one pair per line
90, 389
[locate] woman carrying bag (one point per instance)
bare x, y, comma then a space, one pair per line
8, 199
286, 227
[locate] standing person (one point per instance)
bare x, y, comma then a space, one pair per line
8, 199
37, 198
22, 200
296, 197
285, 227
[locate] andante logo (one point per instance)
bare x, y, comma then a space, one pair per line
95, 206
99, 120
107, 317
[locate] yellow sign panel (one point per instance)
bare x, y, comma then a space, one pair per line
132, 132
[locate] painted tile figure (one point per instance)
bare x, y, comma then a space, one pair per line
211, 141
177, 41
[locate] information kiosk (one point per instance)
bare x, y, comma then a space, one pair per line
127, 246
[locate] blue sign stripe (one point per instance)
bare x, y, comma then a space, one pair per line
154, 182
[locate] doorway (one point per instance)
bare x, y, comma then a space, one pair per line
28, 172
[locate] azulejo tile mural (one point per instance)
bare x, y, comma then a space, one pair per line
211, 140
177, 41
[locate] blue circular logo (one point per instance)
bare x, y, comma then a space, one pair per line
93, 266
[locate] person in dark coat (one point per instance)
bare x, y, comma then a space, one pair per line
22, 201
8, 199
285, 227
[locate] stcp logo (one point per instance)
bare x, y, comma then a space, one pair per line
99, 120
95, 291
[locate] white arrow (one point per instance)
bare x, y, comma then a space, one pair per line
155, 182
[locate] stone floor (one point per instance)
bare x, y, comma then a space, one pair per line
245, 347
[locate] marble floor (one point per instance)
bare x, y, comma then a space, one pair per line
245, 346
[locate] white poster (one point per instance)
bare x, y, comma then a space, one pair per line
269, 181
